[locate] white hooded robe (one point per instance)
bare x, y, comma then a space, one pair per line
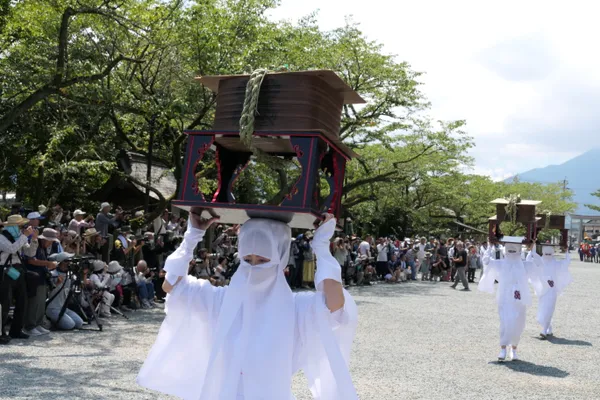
554, 278
513, 295
246, 341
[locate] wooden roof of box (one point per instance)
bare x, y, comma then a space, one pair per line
306, 101
328, 76
521, 203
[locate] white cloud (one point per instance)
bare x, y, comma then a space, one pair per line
524, 74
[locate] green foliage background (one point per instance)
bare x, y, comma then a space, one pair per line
84, 79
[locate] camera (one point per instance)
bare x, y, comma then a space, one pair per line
79, 263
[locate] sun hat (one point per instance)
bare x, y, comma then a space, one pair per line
104, 205
49, 234
78, 212
98, 265
15, 220
114, 267
61, 257
90, 232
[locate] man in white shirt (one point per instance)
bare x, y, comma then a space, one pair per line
364, 248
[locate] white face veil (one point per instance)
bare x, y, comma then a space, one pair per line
513, 250
256, 321
547, 252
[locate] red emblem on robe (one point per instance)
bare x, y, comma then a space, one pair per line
517, 295
551, 283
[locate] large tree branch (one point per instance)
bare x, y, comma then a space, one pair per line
58, 81
101, 103
101, 75
355, 200
385, 177
9, 118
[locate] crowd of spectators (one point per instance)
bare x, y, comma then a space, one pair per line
589, 252
366, 261
62, 269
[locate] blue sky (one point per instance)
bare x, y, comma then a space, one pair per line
524, 74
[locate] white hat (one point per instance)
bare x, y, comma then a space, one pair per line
50, 235
35, 215
104, 205
98, 265
78, 212
15, 220
114, 267
60, 257
42, 208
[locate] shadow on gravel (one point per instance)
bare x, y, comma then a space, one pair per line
395, 290
363, 302
566, 342
526, 367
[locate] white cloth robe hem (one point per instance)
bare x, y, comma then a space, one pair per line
192, 311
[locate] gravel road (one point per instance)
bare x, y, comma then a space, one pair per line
414, 341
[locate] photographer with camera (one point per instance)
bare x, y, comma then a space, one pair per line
79, 222
202, 266
58, 297
125, 249
218, 278
115, 270
13, 240
101, 284
38, 267
104, 221
71, 242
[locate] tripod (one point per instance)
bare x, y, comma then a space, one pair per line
75, 288
102, 301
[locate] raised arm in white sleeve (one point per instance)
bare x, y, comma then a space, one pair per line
177, 264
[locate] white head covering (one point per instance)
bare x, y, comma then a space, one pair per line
548, 251
256, 294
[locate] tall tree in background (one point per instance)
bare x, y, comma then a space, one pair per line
593, 206
85, 79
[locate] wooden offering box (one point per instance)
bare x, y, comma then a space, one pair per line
525, 210
526, 214
289, 101
556, 221
298, 119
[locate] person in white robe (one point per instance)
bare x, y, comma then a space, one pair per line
245, 341
513, 295
555, 277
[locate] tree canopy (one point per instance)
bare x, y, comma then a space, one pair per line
86, 79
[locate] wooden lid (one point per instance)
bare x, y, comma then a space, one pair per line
328, 76
521, 203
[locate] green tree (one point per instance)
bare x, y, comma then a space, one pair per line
593, 206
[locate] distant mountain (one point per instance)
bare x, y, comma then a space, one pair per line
581, 173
